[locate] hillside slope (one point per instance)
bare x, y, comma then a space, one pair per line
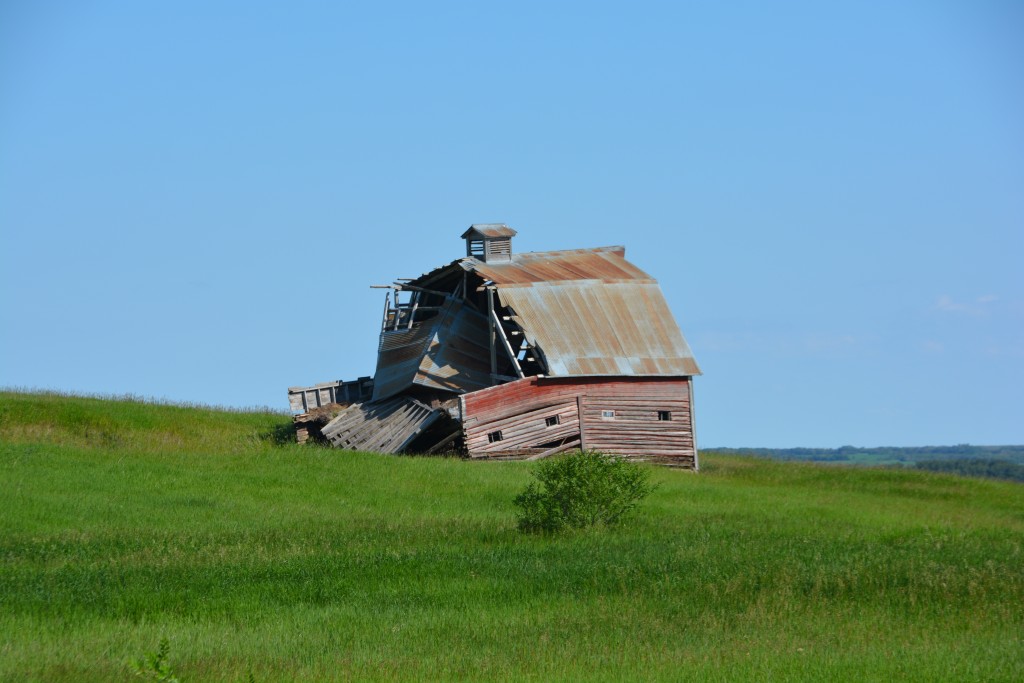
123, 523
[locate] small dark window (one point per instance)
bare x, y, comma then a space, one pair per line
664, 415
607, 414
552, 421
494, 436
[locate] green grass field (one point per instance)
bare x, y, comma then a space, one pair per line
123, 523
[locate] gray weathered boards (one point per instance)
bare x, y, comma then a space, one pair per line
383, 426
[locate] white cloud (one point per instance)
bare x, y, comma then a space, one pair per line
1008, 350
979, 306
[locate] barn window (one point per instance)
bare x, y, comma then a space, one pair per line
552, 421
607, 414
494, 436
664, 415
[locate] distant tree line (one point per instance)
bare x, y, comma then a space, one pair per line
998, 469
885, 454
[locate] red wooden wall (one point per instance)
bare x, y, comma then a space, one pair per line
520, 411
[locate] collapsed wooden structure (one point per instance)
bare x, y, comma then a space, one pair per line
505, 355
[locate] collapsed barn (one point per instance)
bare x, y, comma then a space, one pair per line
506, 355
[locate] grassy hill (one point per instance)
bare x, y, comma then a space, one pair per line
122, 523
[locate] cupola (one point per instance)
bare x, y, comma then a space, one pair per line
489, 242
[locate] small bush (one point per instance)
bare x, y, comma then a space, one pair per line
581, 490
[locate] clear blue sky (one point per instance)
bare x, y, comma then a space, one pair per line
195, 196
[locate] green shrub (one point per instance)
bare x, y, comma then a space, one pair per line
581, 490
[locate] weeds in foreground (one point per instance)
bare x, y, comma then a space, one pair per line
154, 666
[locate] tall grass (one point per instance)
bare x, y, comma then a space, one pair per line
123, 523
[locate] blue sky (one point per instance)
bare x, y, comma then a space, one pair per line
195, 196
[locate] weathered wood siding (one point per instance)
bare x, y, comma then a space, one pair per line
520, 411
306, 399
384, 427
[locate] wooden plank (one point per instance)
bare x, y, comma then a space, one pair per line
444, 442
387, 305
557, 449
530, 421
531, 438
582, 422
490, 314
412, 315
525, 413
496, 323
693, 429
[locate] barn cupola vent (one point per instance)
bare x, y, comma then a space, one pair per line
489, 242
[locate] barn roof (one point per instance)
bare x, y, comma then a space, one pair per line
609, 329
603, 264
489, 230
591, 312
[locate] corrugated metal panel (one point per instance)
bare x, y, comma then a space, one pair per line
458, 360
604, 264
606, 328
398, 358
449, 352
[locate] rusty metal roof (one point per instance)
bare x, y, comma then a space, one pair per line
604, 264
599, 328
490, 230
591, 312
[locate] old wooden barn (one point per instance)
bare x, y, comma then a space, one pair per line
506, 355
